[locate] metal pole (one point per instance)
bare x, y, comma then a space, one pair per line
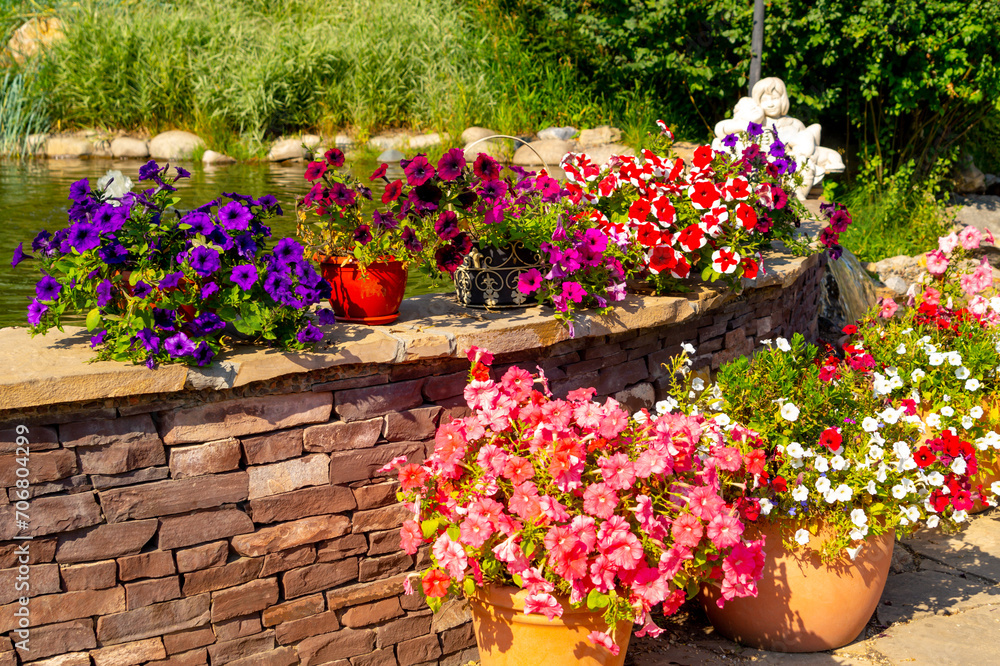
756, 44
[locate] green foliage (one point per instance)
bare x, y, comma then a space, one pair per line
984, 143
898, 213
20, 116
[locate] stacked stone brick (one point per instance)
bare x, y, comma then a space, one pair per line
250, 527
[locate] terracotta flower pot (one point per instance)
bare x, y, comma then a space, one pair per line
804, 604
508, 637
369, 297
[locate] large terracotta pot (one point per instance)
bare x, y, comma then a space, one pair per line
371, 296
802, 603
508, 637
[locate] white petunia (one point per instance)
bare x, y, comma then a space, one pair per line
901, 450
960, 516
698, 384
958, 466
932, 521
795, 450
912, 513
839, 463
901, 349
948, 411
968, 422
976, 412
954, 358
687, 347
766, 341
972, 384
830, 496
936, 359
853, 552
789, 411
917, 375
822, 485
933, 420
722, 419
869, 424
858, 517
821, 465
666, 406
765, 506
802, 537
859, 533
890, 415
935, 479
800, 493
871, 489
898, 491
962, 372
783, 345
995, 488
843, 493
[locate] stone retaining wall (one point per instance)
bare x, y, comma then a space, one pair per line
236, 517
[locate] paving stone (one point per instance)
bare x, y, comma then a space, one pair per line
939, 640
918, 594
244, 416
975, 550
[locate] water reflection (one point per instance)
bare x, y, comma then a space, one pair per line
33, 196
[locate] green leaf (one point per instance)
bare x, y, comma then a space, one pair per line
706, 272
596, 600
469, 586
454, 532
429, 527
93, 319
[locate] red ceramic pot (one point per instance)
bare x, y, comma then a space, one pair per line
371, 296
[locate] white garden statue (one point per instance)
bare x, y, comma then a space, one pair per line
768, 107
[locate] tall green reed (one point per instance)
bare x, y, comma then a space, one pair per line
20, 116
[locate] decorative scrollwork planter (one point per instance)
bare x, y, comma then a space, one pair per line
488, 277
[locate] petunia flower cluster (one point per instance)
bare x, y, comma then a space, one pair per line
157, 286
835, 449
576, 502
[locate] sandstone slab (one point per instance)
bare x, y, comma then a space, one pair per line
168, 617
966, 551
242, 599
943, 640
61, 638
373, 613
290, 534
201, 526
342, 435
283, 656
284, 560
296, 630
294, 610
414, 424
289, 475
244, 416
39, 438
361, 464
54, 608
105, 541
364, 592
128, 454
89, 576
200, 459
130, 654
302, 504
229, 575
318, 577
42, 467
226, 652
912, 595
164, 498
273, 447
188, 639
202, 557
342, 644
154, 564
52, 514
41, 578
371, 401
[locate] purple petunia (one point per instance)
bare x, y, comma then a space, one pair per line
79, 190
235, 216
268, 201
179, 345
384, 220
287, 250
245, 275
142, 289
19, 255
446, 225
149, 340
203, 355
208, 289
755, 129
777, 149
410, 240
204, 260
103, 293
309, 333
83, 237
363, 234
35, 312
200, 222
98, 339
171, 280
113, 254
418, 171
48, 288
207, 323
149, 170
451, 164
342, 195
326, 317
246, 246
41, 242
729, 140
181, 173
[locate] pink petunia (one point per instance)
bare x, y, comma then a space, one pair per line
524, 501
650, 462
970, 238
937, 263
931, 296
517, 383
410, 537
509, 551
602, 573
544, 604
625, 553
704, 502
604, 640
585, 529
518, 470
533, 581
451, 556
947, 243
475, 530
600, 500
724, 530
650, 585
673, 559
889, 307
615, 419
687, 530
481, 394
727, 458
493, 458
618, 471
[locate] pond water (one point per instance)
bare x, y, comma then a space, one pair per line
33, 196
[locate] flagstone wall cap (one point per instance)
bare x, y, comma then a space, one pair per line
56, 368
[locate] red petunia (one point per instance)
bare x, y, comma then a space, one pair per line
749, 268
435, 583
779, 484
662, 258
379, 172
746, 215
850, 329
702, 156
649, 235
691, 238
831, 439
924, 457
392, 191
315, 171
704, 195
682, 269
639, 211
